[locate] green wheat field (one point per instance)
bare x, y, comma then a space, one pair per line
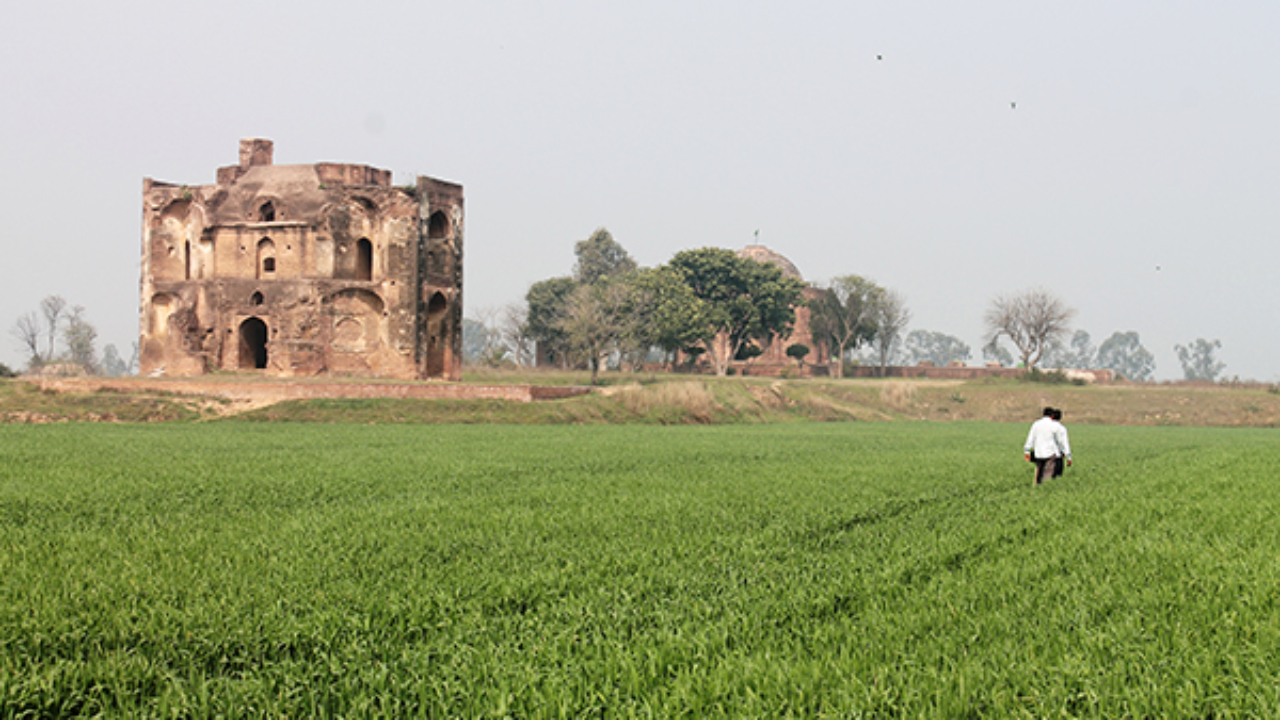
811, 570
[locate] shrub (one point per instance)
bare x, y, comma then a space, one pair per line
798, 351
1052, 377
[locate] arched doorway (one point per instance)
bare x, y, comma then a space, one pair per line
253, 344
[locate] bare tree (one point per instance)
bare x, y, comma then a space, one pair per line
53, 308
595, 321
81, 337
890, 315
513, 325
492, 350
1033, 320
27, 331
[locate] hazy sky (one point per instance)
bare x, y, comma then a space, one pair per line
1138, 176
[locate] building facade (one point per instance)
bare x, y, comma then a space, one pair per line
299, 270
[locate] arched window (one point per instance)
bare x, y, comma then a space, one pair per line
364, 259
266, 258
256, 298
267, 212
438, 225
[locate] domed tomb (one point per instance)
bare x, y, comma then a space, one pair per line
762, 254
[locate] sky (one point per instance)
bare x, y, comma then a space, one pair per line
1122, 156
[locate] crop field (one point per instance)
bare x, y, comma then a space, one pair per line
806, 570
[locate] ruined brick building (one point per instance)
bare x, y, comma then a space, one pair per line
773, 358
298, 270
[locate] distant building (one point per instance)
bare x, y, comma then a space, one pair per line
298, 270
772, 359
774, 352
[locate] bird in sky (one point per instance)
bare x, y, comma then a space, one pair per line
1013, 105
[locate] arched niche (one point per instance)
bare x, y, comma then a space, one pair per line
178, 211
364, 259
266, 259
355, 301
346, 224
170, 242
163, 306
438, 225
356, 320
437, 311
437, 305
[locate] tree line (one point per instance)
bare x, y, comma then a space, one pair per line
610, 310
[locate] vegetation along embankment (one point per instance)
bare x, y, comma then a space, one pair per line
659, 399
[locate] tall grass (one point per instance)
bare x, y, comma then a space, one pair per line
808, 570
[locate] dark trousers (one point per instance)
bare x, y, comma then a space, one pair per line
1045, 468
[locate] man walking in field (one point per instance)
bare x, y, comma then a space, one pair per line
1057, 417
1047, 446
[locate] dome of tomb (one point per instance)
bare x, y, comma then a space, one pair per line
762, 254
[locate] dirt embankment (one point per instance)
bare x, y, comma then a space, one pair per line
666, 400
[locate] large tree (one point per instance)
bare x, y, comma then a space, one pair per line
742, 300
671, 315
1033, 320
600, 257
937, 348
547, 300
1123, 353
1198, 360
845, 314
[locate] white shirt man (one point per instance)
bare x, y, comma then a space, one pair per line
1047, 445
